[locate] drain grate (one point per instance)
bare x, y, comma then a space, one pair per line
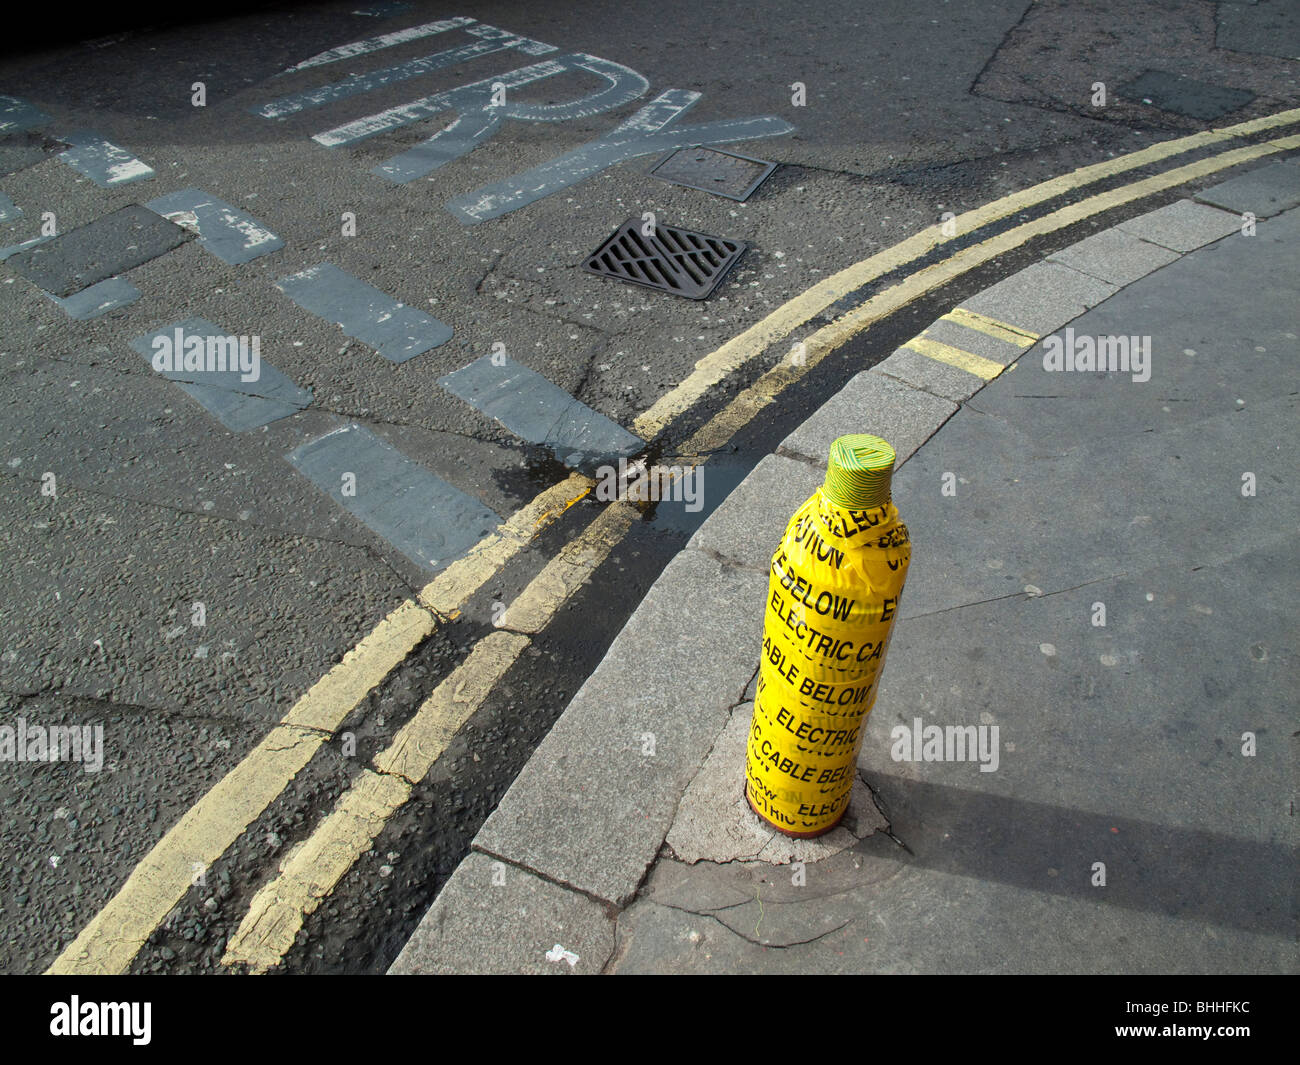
709, 170
673, 260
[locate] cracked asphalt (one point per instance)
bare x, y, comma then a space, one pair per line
913, 108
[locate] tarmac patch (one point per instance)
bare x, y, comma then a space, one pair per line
101, 249
1184, 96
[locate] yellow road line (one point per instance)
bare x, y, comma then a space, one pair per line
115, 935
719, 430
421, 741
332, 698
946, 353
313, 869
273, 921
534, 607
446, 592
717, 365
991, 327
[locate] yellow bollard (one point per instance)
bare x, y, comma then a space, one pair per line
833, 592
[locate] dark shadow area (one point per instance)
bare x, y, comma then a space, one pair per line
86, 23
1178, 872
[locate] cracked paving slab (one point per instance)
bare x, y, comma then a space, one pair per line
491, 917
928, 922
714, 822
724, 916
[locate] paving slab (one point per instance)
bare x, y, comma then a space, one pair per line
749, 524
1024, 526
870, 403
1182, 226
1265, 191
1114, 256
1229, 356
1041, 297
906, 920
491, 918
98, 250
1116, 719
592, 806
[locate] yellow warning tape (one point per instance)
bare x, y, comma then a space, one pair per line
833, 590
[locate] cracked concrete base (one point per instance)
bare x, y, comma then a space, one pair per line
714, 822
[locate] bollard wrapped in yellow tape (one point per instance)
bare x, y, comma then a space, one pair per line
833, 591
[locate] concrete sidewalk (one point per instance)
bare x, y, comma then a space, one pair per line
1103, 572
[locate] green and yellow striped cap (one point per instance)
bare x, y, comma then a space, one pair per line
859, 472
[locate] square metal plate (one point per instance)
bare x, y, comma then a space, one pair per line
710, 170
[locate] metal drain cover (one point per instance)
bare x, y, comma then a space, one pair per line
722, 173
673, 260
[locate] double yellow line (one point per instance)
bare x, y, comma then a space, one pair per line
754, 341
115, 935
311, 872
724, 425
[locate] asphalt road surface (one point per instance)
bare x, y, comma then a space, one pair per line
182, 565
